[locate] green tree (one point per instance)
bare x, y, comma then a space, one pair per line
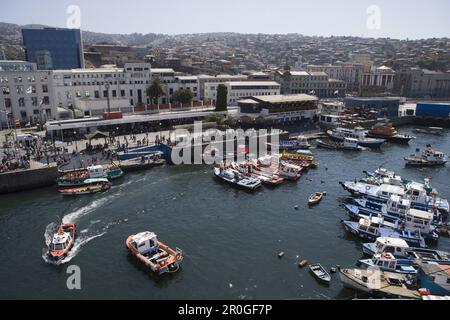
155, 90
222, 98
183, 95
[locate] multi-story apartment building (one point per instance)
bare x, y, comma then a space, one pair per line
26, 94
242, 89
351, 73
422, 83
315, 83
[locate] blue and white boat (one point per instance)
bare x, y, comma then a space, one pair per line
387, 262
372, 229
415, 192
357, 133
411, 219
395, 207
401, 249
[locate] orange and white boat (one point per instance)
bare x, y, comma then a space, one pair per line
154, 254
62, 241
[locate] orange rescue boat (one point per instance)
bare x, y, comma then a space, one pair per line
154, 254
62, 241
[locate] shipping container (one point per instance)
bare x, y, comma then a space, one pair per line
436, 110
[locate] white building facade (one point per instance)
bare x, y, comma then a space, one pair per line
242, 89
26, 94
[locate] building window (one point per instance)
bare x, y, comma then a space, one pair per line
34, 101
96, 94
21, 102
122, 93
44, 88
87, 94
105, 93
114, 93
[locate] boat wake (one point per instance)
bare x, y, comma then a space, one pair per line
80, 242
73, 216
83, 237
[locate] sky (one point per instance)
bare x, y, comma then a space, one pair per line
400, 19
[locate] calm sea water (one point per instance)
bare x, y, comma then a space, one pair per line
230, 238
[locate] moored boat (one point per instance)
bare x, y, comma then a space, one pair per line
401, 249
90, 186
387, 262
315, 198
357, 133
237, 179
320, 273
349, 144
426, 158
387, 131
154, 254
62, 242
372, 229
380, 283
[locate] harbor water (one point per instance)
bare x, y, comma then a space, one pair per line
230, 238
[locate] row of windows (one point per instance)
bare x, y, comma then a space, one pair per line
20, 89
34, 102
21, 79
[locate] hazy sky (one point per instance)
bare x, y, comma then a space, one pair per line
398, 18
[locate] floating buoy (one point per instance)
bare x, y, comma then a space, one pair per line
333, 270
230, 285
281, 254
303, 263
296, 207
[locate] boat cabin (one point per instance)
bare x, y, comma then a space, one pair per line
60, 241
395, 246
387, 190
419, 220
351, 143
416, 192
387, 261
95, 172
145, 242
370, 226
398, 206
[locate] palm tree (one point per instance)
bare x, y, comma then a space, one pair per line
155, 90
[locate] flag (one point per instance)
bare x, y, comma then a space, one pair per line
41, 103
29, 90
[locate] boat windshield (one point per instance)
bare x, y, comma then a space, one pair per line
57, 246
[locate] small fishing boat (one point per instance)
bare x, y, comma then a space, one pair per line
290, 171
315, 198
437, 131
154, 254
380, 283
237, 179
320, 273
62, 242
349, 144
249, 169
426, 158
90, 186
388, 132
113, 172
